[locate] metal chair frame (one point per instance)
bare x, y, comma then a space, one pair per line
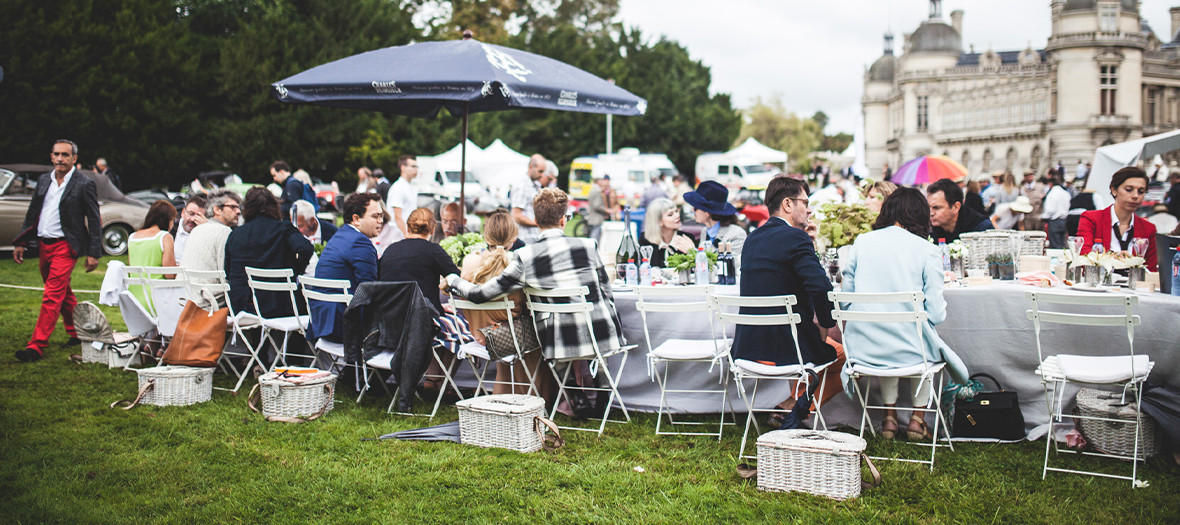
334, 291
505, 304
209, 284
1054, 380
929, 371
740, 374
683, 300
279, 280
577, 305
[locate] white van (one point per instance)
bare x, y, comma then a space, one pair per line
734, 172
442, 182
630, 172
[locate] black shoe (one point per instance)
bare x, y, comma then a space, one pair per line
73, 341
28, 355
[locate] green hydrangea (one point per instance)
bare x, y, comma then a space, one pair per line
461, 245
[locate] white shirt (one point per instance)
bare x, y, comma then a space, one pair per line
402, 194
522, 197
179, 242
49, 224
1056, 204
1111, 242
318, 236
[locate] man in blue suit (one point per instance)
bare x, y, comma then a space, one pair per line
349, 255
779, 259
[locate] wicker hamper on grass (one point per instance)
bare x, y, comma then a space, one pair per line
1115, 437
501, 421
813, 461
90, 354
283, 400
173, 386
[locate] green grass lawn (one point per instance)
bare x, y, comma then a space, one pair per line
66, 456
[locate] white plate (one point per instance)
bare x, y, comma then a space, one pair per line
1084, 288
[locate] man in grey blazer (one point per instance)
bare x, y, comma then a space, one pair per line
63, 218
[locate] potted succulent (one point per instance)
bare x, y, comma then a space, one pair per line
999, 265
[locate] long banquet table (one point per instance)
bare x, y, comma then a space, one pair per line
985, 325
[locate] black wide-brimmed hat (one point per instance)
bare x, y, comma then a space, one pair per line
711, 197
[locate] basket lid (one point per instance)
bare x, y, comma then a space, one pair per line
1106, 401
813, 440
503, 403
304, 377
173, 371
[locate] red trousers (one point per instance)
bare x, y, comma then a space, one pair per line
57, 262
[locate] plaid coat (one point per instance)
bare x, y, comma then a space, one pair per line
557, 261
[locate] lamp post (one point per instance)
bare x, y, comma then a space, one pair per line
609, 126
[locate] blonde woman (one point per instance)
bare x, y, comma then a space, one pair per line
500, 232
661, 231
876, 193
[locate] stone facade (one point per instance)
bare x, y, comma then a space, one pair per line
1103, 77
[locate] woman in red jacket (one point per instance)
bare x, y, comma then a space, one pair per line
1117, 224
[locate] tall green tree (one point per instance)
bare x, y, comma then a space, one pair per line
772, 124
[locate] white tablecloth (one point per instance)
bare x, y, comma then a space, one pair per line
986, 326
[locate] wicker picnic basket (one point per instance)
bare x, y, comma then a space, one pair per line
285, 399
813, 461
173, 386
90, 354
501, 421
1113, 437
981, 244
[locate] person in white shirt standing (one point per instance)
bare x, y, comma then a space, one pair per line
403, 195
63, 217
522, 199
1053, 213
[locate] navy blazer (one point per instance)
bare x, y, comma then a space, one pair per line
327, 230
264, 242
779, 259
350, 256
80, 221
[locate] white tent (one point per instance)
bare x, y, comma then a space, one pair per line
501, 166
451, 158
758, 151
1109, 159
498, 152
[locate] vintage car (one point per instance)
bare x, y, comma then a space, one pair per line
121, 215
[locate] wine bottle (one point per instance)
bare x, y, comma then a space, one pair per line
628, 248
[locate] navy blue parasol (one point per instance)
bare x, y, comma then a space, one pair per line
464, 76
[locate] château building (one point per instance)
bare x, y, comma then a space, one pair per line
1103, 77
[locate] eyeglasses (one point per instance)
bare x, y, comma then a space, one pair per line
804, 201
231, 206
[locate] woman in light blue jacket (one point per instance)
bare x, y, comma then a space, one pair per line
896, 257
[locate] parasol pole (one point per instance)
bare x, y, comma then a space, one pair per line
463, 175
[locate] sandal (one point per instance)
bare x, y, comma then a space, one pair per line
889, 427
917, 430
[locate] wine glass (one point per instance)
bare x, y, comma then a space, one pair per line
1075, 246
1139, 247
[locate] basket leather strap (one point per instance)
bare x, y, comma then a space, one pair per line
143, 390
77, 358
255, 398
549, 442
872, 470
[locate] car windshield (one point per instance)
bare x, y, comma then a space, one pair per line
582, 175
755, 169
6, 178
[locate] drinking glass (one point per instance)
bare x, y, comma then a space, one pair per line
1075, 246
1139, 247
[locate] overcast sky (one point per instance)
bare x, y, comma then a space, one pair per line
814, 52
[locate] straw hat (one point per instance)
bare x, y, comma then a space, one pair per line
1021, 205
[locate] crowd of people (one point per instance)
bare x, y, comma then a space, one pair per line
389, 238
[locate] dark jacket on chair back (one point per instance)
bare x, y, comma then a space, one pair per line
264, 243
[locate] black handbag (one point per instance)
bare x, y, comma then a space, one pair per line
499, 342
990, 414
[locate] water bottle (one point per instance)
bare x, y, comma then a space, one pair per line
1176, 274
702, 266
645, 272
946, 255
1098, 247
632, 273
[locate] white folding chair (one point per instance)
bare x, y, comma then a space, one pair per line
475, 349
573, 302
1127, 372
683, 300
333, 291
919, 373
167, 287
280, 281
743, 369
209, 286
